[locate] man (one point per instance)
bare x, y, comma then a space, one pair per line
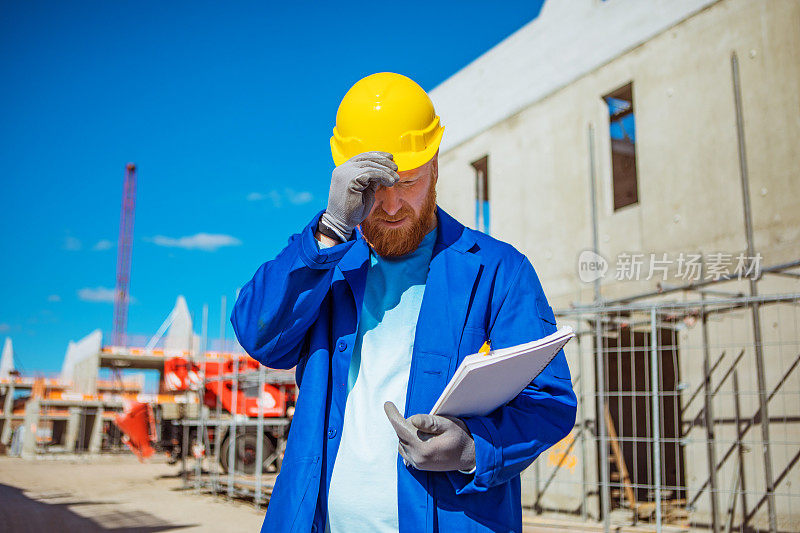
376, 302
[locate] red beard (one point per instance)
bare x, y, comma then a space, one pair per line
394, 242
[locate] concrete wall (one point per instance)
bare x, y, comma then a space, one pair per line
569, 38
689, 189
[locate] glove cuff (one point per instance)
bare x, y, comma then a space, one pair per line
333, 228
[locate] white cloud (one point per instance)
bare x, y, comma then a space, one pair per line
54, 298
102, 244
279, 198
97, 294
72, 244
208, 242
276, 198
5, 327
299, 197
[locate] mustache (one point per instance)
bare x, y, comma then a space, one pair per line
382, 215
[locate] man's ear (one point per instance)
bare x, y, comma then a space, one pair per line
435, 169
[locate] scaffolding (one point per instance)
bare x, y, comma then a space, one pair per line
245, 463
688, 411
242, 465
235, 455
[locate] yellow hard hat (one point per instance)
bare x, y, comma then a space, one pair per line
387, 112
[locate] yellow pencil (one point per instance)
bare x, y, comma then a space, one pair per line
486, 348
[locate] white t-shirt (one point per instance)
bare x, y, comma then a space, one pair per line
363, 489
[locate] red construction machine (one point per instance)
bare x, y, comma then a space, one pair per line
207, 407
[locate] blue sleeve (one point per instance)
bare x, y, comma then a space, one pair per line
276, 308
509, 439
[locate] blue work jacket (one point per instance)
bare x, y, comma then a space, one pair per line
302, 309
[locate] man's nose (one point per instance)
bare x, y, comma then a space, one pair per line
388, 199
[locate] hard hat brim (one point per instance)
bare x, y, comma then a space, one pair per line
404, 160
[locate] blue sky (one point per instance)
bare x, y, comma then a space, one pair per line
225, 107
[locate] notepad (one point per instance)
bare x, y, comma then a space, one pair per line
484, 382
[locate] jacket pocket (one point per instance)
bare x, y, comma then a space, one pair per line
431, 371
489, 510
471, 341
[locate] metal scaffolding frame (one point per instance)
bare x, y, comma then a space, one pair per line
207, 474
630, 333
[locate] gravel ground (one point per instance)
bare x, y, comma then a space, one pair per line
110, 493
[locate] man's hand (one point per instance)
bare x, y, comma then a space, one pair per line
352, 192
432, 442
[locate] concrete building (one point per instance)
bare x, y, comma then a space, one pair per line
628, 109
527, 104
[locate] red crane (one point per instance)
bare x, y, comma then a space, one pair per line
124, 248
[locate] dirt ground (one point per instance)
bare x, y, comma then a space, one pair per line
111, 493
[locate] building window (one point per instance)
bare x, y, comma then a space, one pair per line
622, 128
482, 218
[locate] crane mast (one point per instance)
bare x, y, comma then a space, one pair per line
124, 249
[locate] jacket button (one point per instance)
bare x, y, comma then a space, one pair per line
341, 345
331, 432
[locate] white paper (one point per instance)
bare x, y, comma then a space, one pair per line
482, 383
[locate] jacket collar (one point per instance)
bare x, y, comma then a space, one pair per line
452, 234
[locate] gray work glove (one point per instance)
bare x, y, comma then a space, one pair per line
352, 192
432, 442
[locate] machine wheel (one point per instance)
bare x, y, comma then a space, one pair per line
245, 453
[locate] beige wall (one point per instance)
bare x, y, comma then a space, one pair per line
689, 186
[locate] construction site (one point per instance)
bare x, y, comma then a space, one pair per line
662, 139
217, 414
